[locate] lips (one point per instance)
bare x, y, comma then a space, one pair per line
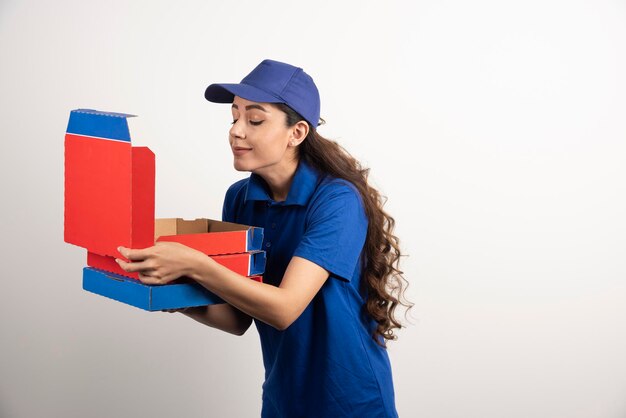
240, 150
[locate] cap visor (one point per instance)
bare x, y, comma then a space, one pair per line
225, 93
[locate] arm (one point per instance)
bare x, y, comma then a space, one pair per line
221, 316
276, 306
338, 223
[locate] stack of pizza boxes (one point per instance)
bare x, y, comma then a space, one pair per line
109, 202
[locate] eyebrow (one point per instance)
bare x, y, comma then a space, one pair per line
252, 106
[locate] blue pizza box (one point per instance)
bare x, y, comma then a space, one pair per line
148, 297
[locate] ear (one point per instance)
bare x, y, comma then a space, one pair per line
299, 131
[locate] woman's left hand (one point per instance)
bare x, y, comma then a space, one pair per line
160, 264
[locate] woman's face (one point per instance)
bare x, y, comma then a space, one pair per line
259, 137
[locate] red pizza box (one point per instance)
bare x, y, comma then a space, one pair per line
246, 264
109, 184
209, 236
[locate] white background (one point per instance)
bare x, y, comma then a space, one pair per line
496, 129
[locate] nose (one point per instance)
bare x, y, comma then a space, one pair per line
236, 131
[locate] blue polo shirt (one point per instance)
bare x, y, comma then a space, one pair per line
325, 364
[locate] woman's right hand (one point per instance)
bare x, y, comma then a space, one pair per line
221, 316
190, 311
181, 310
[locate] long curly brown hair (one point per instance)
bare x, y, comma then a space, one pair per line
384, 283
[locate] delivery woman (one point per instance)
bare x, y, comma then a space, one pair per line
326, 307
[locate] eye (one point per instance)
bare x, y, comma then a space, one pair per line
256, 123
233, 122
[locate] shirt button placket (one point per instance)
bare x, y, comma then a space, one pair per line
269, 234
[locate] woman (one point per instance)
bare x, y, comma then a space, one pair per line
326, 308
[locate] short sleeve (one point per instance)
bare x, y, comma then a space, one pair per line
335, 231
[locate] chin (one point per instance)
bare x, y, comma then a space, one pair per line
239, 166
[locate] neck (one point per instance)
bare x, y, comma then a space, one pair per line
279, 178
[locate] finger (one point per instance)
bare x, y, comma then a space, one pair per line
181, 310
150, 280
143, 274
135, 254
133, 267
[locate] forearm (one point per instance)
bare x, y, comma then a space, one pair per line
259, 300
221, 316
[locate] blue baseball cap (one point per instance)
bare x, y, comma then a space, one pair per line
273, 82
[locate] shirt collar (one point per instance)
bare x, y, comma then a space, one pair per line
302, 186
